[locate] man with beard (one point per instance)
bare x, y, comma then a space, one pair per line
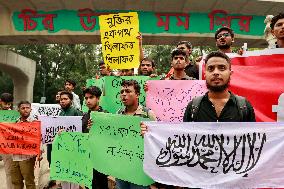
147, 67
224, 37
66, 99
277, 29
218, 104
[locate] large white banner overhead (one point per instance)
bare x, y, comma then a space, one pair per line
215, 155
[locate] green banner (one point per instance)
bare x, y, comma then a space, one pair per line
9, 116
87, 20
71, 159
117, 148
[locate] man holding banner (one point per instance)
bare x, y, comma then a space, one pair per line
129, 95
92, 97
23, 165
219, 104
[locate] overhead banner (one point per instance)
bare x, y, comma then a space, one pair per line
45, 109
258, 76
215, 155
119, 42
51, 125
169, 99
20, 138
71, 159
9, 116
117, 147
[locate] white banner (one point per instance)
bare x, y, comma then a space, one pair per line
215, 155
45, 109
51, 125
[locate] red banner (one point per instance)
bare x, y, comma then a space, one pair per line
20, 138
259, 76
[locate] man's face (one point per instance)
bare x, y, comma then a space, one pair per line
103, 70
179, 62
91, 101
65, 101
217, 74
5, 105
69, 87
25, 110
128, 96
126, 72
146, 68
278, 30
183, 47
224, 40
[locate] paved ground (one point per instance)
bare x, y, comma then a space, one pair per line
41, 174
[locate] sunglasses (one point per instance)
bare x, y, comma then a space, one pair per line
223, 35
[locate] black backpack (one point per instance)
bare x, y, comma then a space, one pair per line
241, 102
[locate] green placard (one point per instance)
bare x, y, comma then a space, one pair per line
71, 159
117, 148
9, 116
112, 102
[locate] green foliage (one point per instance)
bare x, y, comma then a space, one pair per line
57, 62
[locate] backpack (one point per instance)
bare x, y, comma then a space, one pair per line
241, 103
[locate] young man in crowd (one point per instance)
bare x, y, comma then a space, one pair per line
66, 99
70, 86
92, 98
224, 37
191, 68
104, 70
6, 103
146, 67
179, 62
218, 104
277, 29
129, 95
22, 168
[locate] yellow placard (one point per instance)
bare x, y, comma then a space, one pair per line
119, 43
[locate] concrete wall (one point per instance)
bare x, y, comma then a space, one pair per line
22, 71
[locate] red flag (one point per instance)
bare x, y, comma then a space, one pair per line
259, 76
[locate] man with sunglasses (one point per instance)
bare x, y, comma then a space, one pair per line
224, 37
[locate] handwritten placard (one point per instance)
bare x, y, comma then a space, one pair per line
9, 116
169, 99
45, 109
215, 155
112, 101
71, 159
116, 145
20, 138
119, 44
51, 125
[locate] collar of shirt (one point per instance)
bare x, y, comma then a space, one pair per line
186, 77
232, 98
139, 110
29, 119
